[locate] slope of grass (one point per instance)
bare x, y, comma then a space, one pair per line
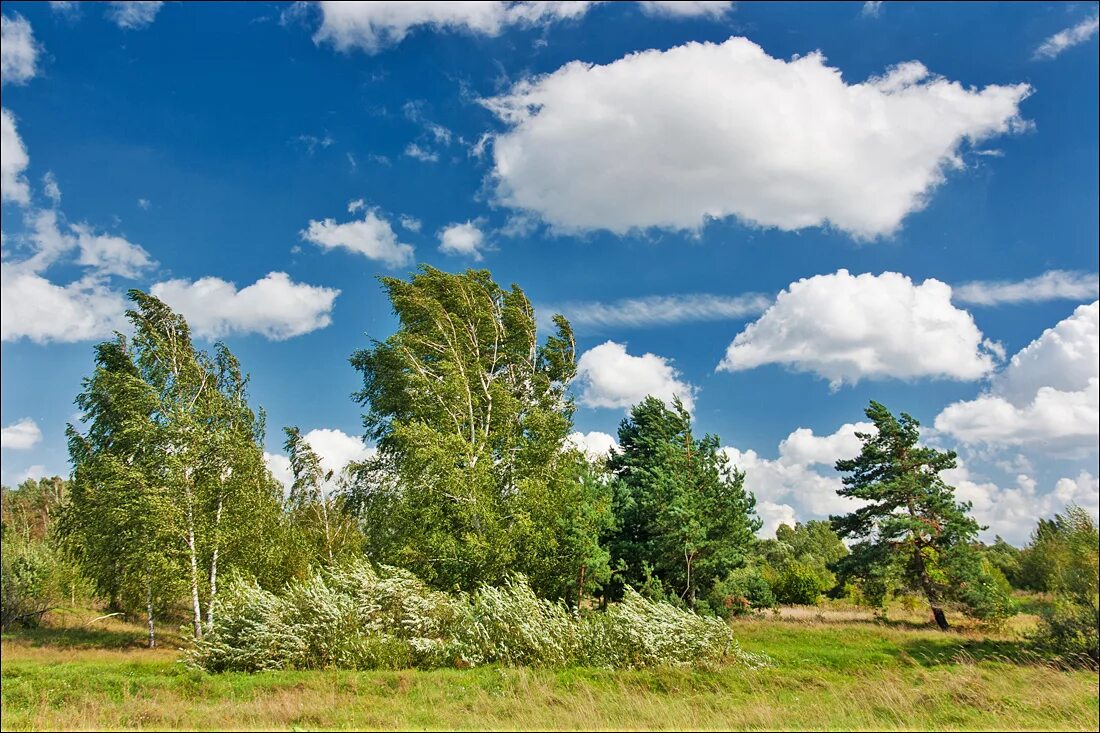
829, 674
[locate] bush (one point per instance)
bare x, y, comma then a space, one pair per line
742, 591
1068, 633
358, 617
33, 580
797, 583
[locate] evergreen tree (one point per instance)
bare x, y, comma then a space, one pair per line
683, 517
910, 526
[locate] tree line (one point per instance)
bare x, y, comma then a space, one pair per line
475, 481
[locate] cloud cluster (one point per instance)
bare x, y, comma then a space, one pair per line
846, 328
18, 50
373, 237
610, 377
705, 131
373, 26
1047, 396
1051, 285
21, 435
793, 487
465, 239
1012, 512
274, 306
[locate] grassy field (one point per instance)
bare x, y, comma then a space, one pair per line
834, 670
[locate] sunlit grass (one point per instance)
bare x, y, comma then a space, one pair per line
832, 672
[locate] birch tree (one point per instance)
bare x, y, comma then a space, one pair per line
470, 414
169, 475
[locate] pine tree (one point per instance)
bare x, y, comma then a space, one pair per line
910, 525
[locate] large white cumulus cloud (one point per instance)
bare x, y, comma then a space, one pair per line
673, 138
847, 327
1047, 396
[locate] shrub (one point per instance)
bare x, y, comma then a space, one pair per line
358, 617
742, 591
797, 583
1068, 633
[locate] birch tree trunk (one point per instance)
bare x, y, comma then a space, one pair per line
149, 612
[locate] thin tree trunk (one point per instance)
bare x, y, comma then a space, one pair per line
149, 612
214, 565
580, 585
195, 607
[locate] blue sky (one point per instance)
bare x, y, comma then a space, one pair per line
700, 160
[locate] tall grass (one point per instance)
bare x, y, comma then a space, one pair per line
360, 617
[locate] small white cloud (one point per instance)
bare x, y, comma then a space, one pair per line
373, 26
1052, 285
675, 138
274, 306
133, 14
18, 50
872, 8
33, 473
65, 7
411, 223
111, 255
847, 328
593, 444
144, 204
22, 435
686, 8
51, 189
1047, 396
610, 377
465, 240
356, 205
422, 154
13, 161
1068, 38
373, 237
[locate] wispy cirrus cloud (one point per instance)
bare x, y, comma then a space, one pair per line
1051, 285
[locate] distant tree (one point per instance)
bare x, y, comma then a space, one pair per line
683, 517
799, 560
473, 477
1064, 559
317, 515
910, 524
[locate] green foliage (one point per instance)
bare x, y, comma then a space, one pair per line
320, 530
359, 617
169, 483
1063, 559
910, 528
682, 513
742, 591
796, 582
798, 561
35, 576
474, 479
